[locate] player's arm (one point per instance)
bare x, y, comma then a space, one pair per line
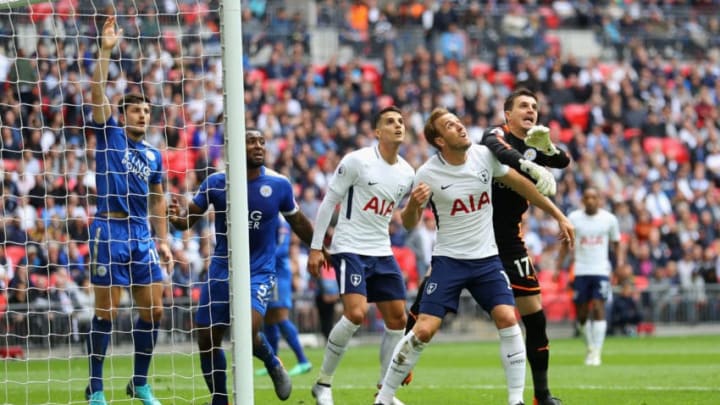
109, 38
563, 254
412, 212
318, 254
184, 218
525, 188
159, 221
494, 139
301, 225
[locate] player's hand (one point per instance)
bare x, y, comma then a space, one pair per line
538, 137
419, 196
110, 36
567, 232
166, 257
544, 180
316, 261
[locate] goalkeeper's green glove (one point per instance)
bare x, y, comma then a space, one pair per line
544, 180
538, 137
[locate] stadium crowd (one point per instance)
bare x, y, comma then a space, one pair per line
641, 123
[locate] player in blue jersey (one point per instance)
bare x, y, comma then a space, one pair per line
277, 318
130, 194
269, 194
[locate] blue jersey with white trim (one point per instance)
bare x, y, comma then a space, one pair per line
212, 191
124, 170
269, 194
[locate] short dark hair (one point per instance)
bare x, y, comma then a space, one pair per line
431, 133
521, 91
378, 116
250, 131
131, 98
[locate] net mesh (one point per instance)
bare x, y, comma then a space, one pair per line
171, 53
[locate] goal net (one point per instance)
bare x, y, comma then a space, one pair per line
170, 52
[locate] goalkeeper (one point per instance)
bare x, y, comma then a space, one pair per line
527, 148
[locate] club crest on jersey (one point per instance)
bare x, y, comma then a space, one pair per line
484, 176
530, 154
341, 170
150, 155
431, 287
401, 191
101, 271
266, 191
355, 279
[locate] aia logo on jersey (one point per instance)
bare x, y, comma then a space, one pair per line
591, 240
379, 206
471, 204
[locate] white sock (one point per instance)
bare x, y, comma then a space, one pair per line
335, 349
599, 328
587, 329
512, 353
405, 356
390, 339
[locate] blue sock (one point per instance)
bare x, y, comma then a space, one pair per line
272, 334
144, 336
265, 353
97, 343
214, 368
290, 333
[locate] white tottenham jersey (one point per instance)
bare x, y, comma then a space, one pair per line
593, 234
462, 203
372, 188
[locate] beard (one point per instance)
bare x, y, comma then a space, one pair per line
254, 164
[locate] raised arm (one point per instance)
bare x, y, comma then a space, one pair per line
109, 38
494, 139
525, 188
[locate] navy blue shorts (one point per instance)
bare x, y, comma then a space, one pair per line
587, 288
485, 279
376, 277
123, 253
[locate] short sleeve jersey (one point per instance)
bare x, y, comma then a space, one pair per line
372, 188
461, 201
269, 194
124, 170
593, 234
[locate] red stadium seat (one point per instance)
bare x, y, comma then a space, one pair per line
506, 78
483, 69
675, 150
385, 101
552, 21
255, 75
577, 114
15, 253
631, 133
566, 135
652, 143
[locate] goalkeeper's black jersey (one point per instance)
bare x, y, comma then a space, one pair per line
509, 206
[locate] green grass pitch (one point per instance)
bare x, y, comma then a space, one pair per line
635, 371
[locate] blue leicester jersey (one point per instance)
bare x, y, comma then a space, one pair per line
212, 191
124, 169
282, 254
269, 194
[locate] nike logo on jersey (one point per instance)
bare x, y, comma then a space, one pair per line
513, 354
372, 183
445, 186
